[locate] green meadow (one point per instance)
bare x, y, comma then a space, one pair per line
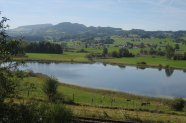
72, 46
90, 102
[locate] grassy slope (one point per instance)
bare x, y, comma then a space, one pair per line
84, 96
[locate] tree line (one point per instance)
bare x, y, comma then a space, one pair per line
43, 47
123, 52
158, 52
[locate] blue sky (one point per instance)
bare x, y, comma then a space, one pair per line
151, 15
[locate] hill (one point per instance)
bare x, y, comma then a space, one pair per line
75, 31
61, 29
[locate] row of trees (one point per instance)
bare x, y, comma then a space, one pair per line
31, 38
123, 52
153, 52
43, 47
107, 41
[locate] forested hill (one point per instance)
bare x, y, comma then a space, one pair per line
61, 29
67, 30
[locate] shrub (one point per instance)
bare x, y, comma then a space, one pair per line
178, 103
153, 57
81, 51
69, 100
56, 113
31, 73
160, 65
19, 74
59, 97
174, 58
50, 86
137, 55
167, 66
141, 62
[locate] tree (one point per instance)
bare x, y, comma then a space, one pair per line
177, 46
105, 51
145, 52
123, 52
50, 86
8, 81
142, 45
141, 51
8, 49
169, 72
178, 103
169, 51
114, 53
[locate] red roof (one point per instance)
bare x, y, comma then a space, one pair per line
179, 55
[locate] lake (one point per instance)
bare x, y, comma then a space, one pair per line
140, 81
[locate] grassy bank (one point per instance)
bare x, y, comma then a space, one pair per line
90, 103
80, 57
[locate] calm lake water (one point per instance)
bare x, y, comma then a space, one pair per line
140, 81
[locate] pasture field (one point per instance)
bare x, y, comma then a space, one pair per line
149, 61
90, 103
67, 57
122, 41
72, 56
80, 57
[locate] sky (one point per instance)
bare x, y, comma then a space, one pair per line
150, 15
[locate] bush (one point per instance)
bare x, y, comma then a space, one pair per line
141, 62
35, 113
167, 66
178, 103
81, 51
174, 58
56, 113
69, 100
50, 86
59, 97
31, 73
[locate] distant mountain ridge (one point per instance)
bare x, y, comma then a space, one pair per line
67, 30
37, 26
61, 29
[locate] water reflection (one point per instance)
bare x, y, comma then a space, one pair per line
142, 68
122, 66
169, 72
104, 64
184, 71
160, 68
144, 81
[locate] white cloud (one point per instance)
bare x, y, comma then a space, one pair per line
168, 6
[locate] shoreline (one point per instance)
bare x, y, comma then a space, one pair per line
102, 61
114, 90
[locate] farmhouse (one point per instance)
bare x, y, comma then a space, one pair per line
121, 45
176, 50
136, 46
106, 46
91, 46
178, 56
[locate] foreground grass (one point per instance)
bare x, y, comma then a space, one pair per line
89, 103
